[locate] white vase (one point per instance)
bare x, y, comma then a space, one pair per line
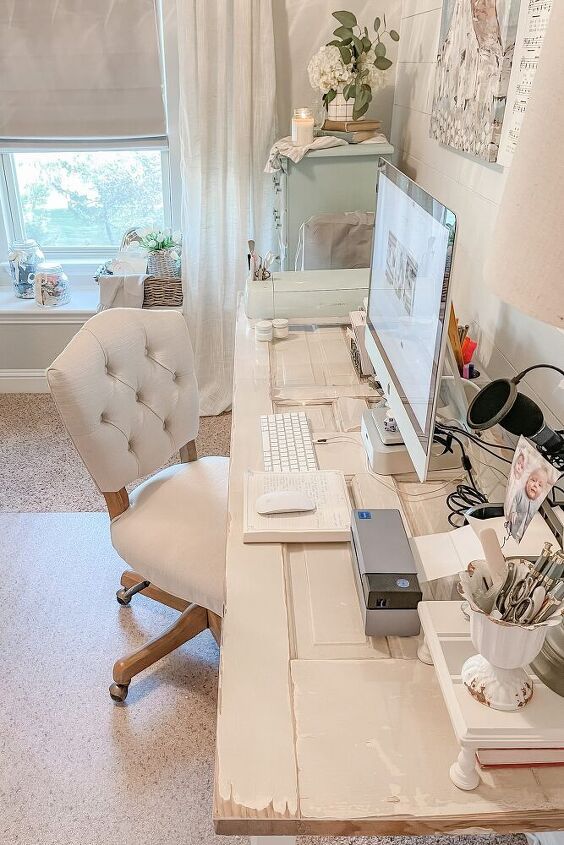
339, 108
496, 676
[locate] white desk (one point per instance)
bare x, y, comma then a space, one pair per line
322, 730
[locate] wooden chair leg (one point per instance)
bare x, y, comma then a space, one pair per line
214, 624
189, 624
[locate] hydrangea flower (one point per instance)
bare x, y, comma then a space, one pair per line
327, 70
374, 77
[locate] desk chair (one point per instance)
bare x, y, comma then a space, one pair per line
126, 391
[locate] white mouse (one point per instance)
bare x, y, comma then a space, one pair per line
284, 502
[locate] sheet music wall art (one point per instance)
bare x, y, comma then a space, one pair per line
476, 48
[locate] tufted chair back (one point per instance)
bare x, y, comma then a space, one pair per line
127, 394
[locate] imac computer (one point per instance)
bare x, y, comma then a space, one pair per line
407, 317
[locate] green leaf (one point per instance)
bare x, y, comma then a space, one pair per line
380, 49
346, 54
366, 43
358, 112
343, 32
382, 63
334, 43
348, 90
330, 95
346, 18
358, 45
377, 23
361, 97
346, 41
394, 35
366, 31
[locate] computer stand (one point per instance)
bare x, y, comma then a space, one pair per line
393, 458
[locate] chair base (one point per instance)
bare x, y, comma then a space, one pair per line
192, 621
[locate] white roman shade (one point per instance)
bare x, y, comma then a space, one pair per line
80, 70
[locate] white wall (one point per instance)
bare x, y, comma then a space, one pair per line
301, 27
508, 340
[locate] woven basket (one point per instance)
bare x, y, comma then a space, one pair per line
162, 292
163, 263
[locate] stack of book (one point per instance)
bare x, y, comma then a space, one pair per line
352, 131
505, 758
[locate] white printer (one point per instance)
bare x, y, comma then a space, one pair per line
317, 294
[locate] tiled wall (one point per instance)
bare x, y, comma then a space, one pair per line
509, 340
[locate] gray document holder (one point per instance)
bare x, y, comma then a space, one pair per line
385, 573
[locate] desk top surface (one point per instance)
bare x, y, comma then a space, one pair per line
322, 729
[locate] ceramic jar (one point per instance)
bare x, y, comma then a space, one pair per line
339, 108
24, 257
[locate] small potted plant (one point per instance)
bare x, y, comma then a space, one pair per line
163, 252
351, 67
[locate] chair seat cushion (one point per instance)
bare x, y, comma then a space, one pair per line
174, 531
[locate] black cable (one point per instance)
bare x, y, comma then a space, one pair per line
465, 495
484, 444
460, 500
472, 436
521, 375
552, 500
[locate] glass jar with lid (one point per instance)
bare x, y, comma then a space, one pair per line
24, 257
51, 284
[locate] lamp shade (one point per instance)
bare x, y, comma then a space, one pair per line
525, 267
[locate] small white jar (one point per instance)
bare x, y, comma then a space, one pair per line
280, 328
263, 331
302, 127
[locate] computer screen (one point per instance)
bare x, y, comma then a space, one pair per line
407, 308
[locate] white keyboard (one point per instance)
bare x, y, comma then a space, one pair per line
286, 443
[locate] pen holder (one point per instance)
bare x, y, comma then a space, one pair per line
496, 675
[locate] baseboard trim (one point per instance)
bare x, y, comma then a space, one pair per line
23, 381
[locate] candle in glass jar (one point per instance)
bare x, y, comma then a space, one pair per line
302, 127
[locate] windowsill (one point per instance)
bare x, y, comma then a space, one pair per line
82, 305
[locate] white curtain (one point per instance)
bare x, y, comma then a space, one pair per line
226, 125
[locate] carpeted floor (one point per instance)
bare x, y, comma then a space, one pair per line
39, 467
74, 767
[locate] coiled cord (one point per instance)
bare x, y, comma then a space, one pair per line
465, 495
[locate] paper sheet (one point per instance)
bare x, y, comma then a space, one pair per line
330, 521
533, 21
446, 554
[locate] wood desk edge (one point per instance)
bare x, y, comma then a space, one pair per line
511, 822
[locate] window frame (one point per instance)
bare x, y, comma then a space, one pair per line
81, 263
13, 227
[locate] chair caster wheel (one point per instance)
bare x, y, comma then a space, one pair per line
118, 692
122, 597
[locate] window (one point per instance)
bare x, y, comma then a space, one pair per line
79, 204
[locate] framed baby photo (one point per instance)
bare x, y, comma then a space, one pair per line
530, 481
